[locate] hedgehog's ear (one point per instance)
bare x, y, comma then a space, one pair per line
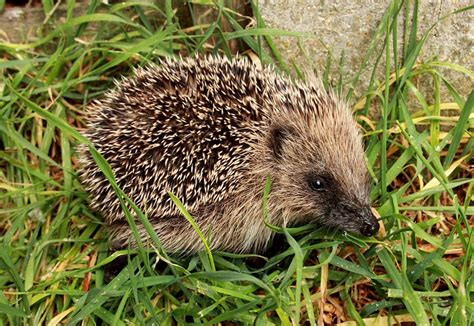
278, 136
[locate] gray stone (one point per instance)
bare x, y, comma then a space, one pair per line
346, 26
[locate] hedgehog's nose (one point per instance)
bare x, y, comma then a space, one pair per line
370, 229
370, 226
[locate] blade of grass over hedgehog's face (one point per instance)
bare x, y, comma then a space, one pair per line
320, 171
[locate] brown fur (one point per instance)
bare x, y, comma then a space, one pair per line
211, 130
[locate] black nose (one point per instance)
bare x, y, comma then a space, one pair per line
370, 228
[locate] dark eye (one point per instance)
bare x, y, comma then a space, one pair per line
316, 184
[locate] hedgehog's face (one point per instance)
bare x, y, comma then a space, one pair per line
320, 174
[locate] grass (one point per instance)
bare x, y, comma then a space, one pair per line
53, 253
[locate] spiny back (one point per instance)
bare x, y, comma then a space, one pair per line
183, 126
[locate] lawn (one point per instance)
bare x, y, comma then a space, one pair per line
55, 266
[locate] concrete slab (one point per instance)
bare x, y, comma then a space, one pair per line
347, 26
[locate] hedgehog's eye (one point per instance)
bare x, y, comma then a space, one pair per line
316, 184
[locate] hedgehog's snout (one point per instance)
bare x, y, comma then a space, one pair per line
370, 225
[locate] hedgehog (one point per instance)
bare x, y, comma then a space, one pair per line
211, 130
